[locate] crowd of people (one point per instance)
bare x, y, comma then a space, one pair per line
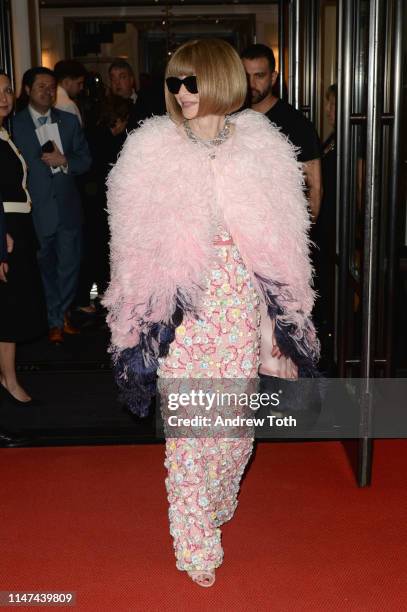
65, 184
212, 273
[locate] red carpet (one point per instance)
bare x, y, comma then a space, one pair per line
94, 520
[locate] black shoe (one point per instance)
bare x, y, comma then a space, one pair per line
13, 400
83, 319
10, 440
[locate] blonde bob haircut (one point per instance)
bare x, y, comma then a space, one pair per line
221, 79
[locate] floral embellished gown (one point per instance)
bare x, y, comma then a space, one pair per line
204, 473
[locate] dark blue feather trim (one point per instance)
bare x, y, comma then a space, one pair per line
136, 381
285, 334
307, 367
135, 368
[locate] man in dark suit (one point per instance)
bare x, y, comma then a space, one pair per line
56, 203
123, 84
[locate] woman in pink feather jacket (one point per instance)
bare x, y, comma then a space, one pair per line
210, 274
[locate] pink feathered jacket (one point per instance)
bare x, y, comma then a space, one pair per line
159, 201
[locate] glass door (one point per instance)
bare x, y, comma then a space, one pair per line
371, 38
368, 171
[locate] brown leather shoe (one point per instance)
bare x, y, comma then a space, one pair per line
55, 335
69, 328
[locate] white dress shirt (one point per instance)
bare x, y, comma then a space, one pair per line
35, 115
65, 103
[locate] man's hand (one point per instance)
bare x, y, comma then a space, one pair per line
54, 159
313, 179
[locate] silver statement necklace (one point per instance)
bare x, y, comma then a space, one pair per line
222, 135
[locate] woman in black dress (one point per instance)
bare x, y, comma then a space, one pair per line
22, 306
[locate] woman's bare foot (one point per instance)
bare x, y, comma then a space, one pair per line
205, 578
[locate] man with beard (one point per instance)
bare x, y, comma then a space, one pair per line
260, 66
71, 76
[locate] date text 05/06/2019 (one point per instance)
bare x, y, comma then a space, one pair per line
238, 421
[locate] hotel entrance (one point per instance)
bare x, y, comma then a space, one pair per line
358, 45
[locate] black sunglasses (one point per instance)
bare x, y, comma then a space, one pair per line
174, 84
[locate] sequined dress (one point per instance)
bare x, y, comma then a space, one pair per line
204, 473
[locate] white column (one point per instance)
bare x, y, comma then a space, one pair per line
21, 38
26, 45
